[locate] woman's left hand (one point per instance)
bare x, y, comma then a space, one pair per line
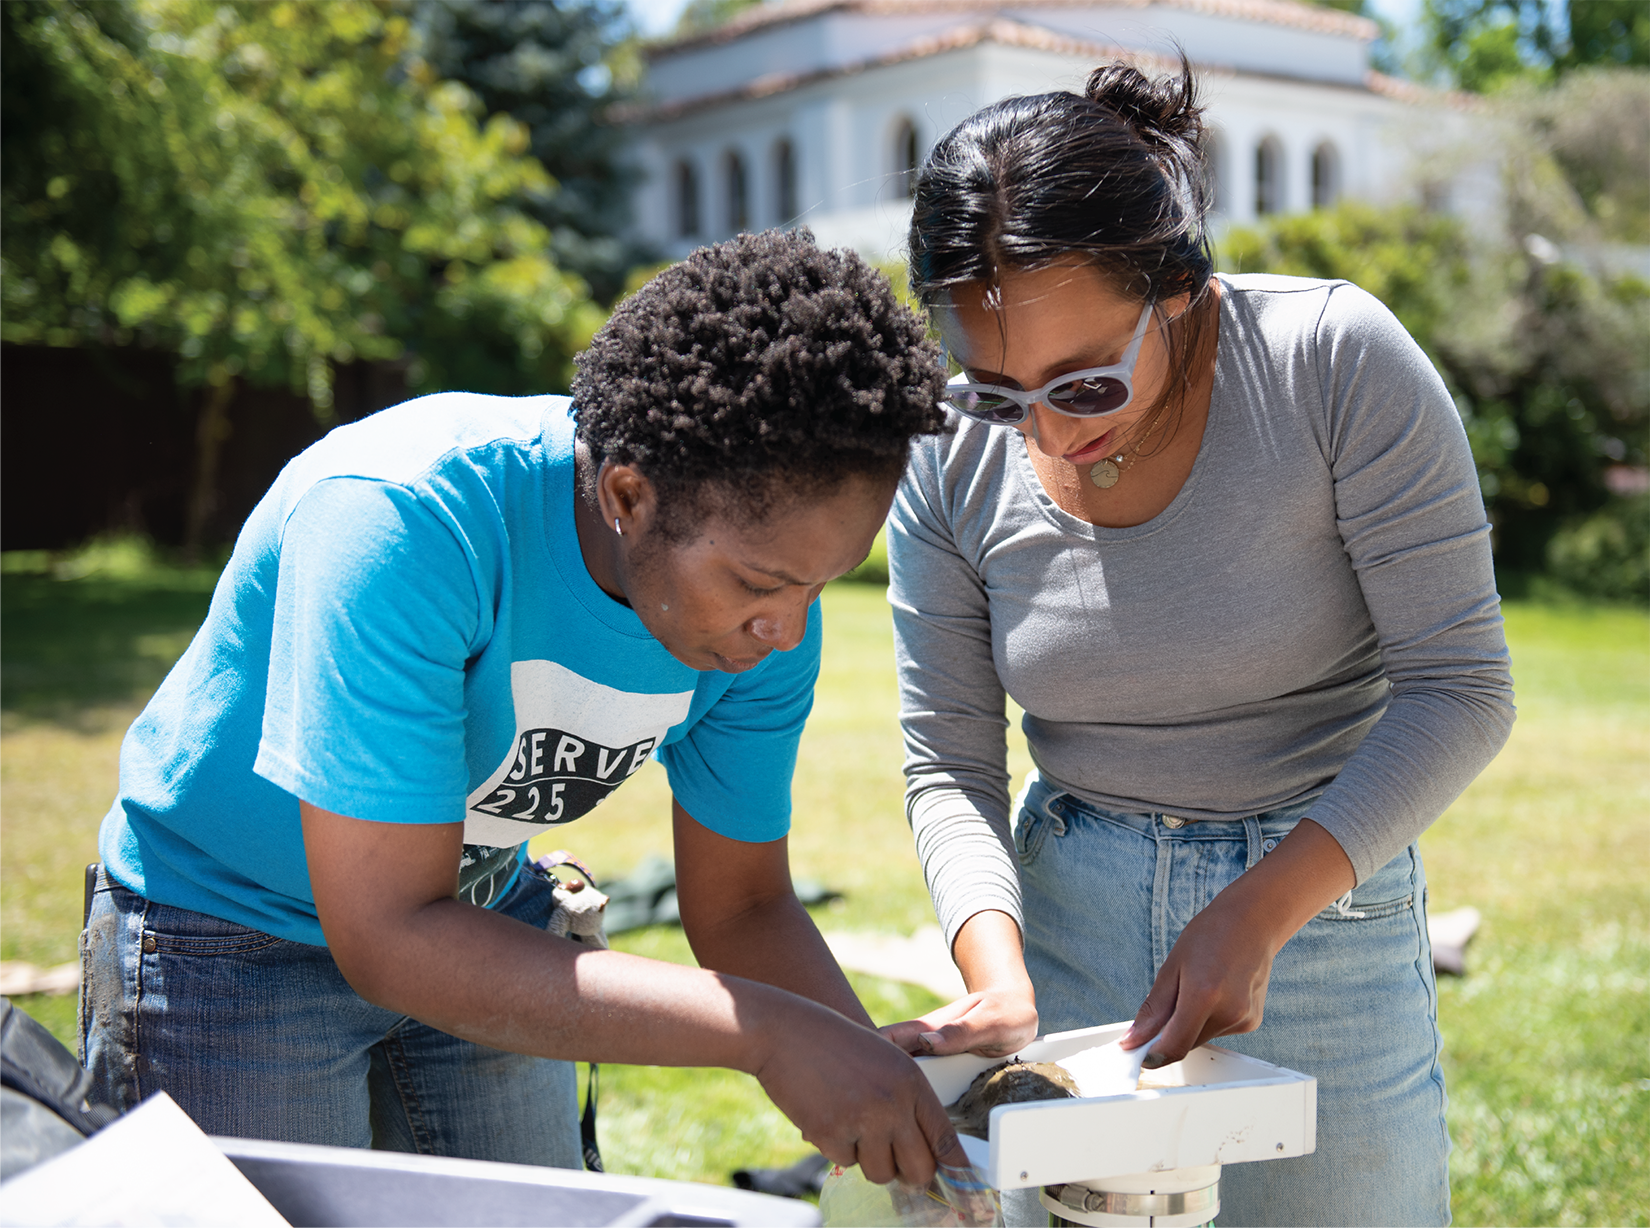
1213, 984
1214, 981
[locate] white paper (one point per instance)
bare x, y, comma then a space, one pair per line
978, 1151
1107, 1070
154, 1166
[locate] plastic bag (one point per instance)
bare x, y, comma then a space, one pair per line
955, 1198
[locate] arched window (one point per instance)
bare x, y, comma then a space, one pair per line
1326, 175
784, 180
1268, 177
907, 156
687, 200
1214, 170
738, 188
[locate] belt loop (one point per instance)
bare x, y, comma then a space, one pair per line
93, 871
1251, 830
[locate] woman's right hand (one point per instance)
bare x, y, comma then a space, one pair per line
858, 1098
992, 1023
998, 1016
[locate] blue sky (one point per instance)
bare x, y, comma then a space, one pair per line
1402, 13
657, 16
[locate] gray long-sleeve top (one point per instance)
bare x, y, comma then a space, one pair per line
1315, 613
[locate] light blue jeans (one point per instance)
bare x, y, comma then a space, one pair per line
259, 1037
1351, 1002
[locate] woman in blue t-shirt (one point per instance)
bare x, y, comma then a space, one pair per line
464, 620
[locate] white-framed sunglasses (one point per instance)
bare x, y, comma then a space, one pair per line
1092, 392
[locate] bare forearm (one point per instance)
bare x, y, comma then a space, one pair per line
385, 894
1291, 884
494, 980
777, 943
742, 916
998, 1015
989, 953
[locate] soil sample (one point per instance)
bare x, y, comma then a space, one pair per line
1014, 1082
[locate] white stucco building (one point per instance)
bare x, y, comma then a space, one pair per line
815, 111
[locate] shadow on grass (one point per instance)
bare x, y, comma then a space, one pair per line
95, 630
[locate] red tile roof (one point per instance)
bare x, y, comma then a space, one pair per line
1292, 13
1408, 91
999, 30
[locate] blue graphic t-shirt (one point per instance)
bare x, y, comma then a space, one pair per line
406, 633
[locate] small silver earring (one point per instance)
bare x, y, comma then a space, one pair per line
616, 527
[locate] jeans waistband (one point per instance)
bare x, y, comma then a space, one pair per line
1061, 804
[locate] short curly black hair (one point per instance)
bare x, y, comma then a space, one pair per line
759, 365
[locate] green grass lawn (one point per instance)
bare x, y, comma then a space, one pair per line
1548, 1036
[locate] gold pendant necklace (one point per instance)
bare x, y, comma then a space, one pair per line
1104, 473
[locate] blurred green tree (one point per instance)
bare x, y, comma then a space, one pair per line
265, 190
1605, 554
1413, 260
1607, 33
703, 16
555, 66
1575, 156
1547, 363
1482, 45
1486, 45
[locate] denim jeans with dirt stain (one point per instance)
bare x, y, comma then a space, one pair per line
1351, 1001
260, 1037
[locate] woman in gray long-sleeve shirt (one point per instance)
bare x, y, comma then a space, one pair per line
1221, 538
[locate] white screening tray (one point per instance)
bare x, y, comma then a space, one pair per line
1213, 1107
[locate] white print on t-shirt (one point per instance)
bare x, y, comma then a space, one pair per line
576, 741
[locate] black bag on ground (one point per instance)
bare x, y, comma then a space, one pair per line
806, 1176
45, 1095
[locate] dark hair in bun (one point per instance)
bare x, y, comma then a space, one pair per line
1165, 112
1115, 175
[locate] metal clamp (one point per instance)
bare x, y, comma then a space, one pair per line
1109, 1202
